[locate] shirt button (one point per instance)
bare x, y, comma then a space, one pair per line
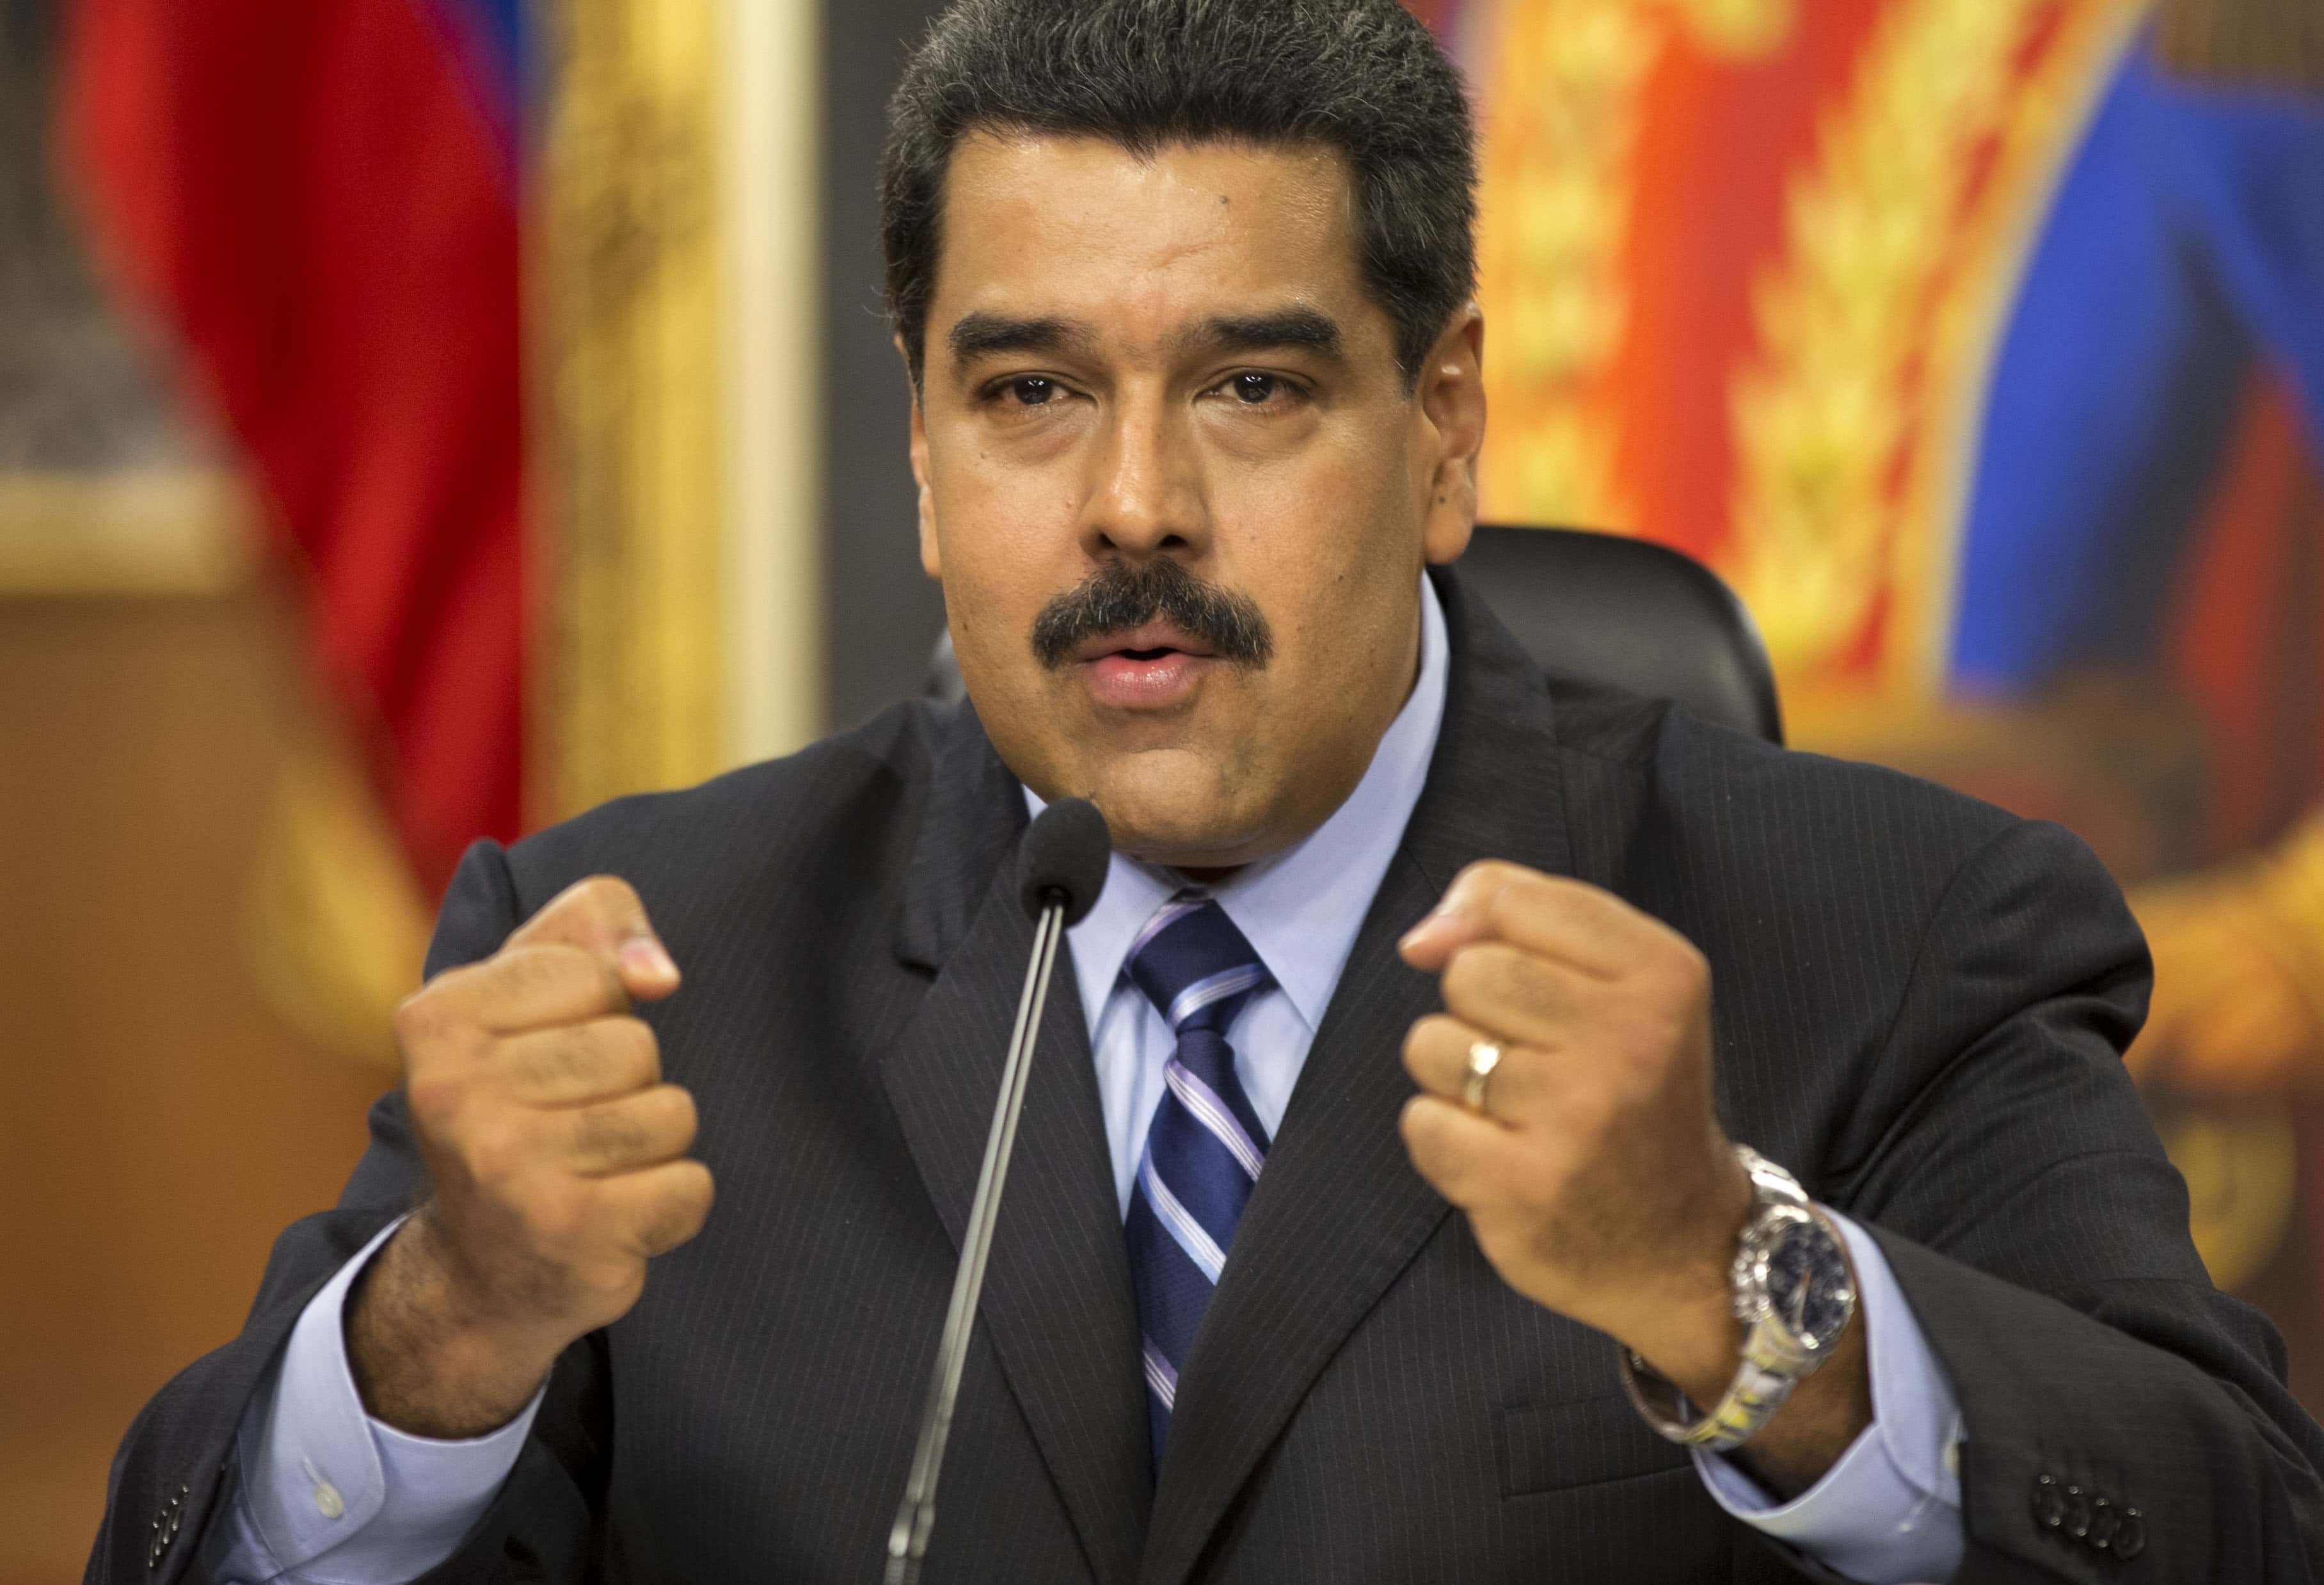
328, 1502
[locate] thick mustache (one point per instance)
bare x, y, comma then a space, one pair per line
1118, 597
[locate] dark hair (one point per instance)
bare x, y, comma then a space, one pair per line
1363, 77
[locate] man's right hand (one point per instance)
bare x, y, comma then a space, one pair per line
556, 1161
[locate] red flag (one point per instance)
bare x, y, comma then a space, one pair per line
315, 197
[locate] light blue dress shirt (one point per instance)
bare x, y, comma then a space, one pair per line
331, 1496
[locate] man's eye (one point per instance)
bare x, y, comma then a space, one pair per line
1032, 391
1255, 390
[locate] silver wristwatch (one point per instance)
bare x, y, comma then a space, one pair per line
1794, 1289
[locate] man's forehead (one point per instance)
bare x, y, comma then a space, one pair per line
1082, 232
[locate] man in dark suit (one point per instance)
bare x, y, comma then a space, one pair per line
1182, 289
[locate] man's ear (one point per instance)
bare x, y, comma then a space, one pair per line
931, 559
1452, 393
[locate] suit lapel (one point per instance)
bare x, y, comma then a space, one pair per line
1057, 1304
1338, 1212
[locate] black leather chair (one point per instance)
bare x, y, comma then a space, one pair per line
1641, 616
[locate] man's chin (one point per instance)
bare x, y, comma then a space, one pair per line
1180, 808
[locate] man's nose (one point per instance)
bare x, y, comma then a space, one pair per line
1145, 498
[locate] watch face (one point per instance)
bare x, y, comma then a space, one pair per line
1808, 1288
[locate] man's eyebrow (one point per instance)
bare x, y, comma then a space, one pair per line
983, 335
1304, 330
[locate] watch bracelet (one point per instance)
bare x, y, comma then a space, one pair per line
1752, 1399
1763, 1378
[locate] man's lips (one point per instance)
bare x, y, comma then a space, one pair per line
1142, 641
1148, 668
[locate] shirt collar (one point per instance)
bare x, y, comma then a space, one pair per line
1301, 908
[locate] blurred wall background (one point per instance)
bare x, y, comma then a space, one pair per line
420, 419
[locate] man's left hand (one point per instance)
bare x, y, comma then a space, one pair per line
1595, 1176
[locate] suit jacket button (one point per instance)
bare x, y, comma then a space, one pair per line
2077, 1512
2129, 1537
2105, 1520
2048, 1502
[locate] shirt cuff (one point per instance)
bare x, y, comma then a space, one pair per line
324, 1483
1888, 1513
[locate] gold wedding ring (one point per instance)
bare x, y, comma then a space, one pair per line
1484, 1056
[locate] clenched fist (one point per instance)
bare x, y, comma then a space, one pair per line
558, 1163
1595, 1175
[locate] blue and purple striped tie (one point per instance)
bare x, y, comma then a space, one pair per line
1203, 1151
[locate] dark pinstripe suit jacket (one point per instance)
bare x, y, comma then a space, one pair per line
1920, 1000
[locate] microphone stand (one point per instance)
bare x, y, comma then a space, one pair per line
908, 1542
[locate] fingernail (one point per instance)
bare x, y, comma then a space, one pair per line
645, 957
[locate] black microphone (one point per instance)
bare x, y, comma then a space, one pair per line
1061, 868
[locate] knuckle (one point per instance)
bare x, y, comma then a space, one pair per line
1480, 872
607, 893
1418, 1042
699, 1185
601, 906
420, 1019
641, 1048
1437, 1032
678, 1214
593, 889
1424, 1139
685, 1118
1518, 894
1465, 976
1672, 969
434, 1101
1412, 1122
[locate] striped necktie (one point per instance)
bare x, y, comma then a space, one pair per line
1204, 1148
